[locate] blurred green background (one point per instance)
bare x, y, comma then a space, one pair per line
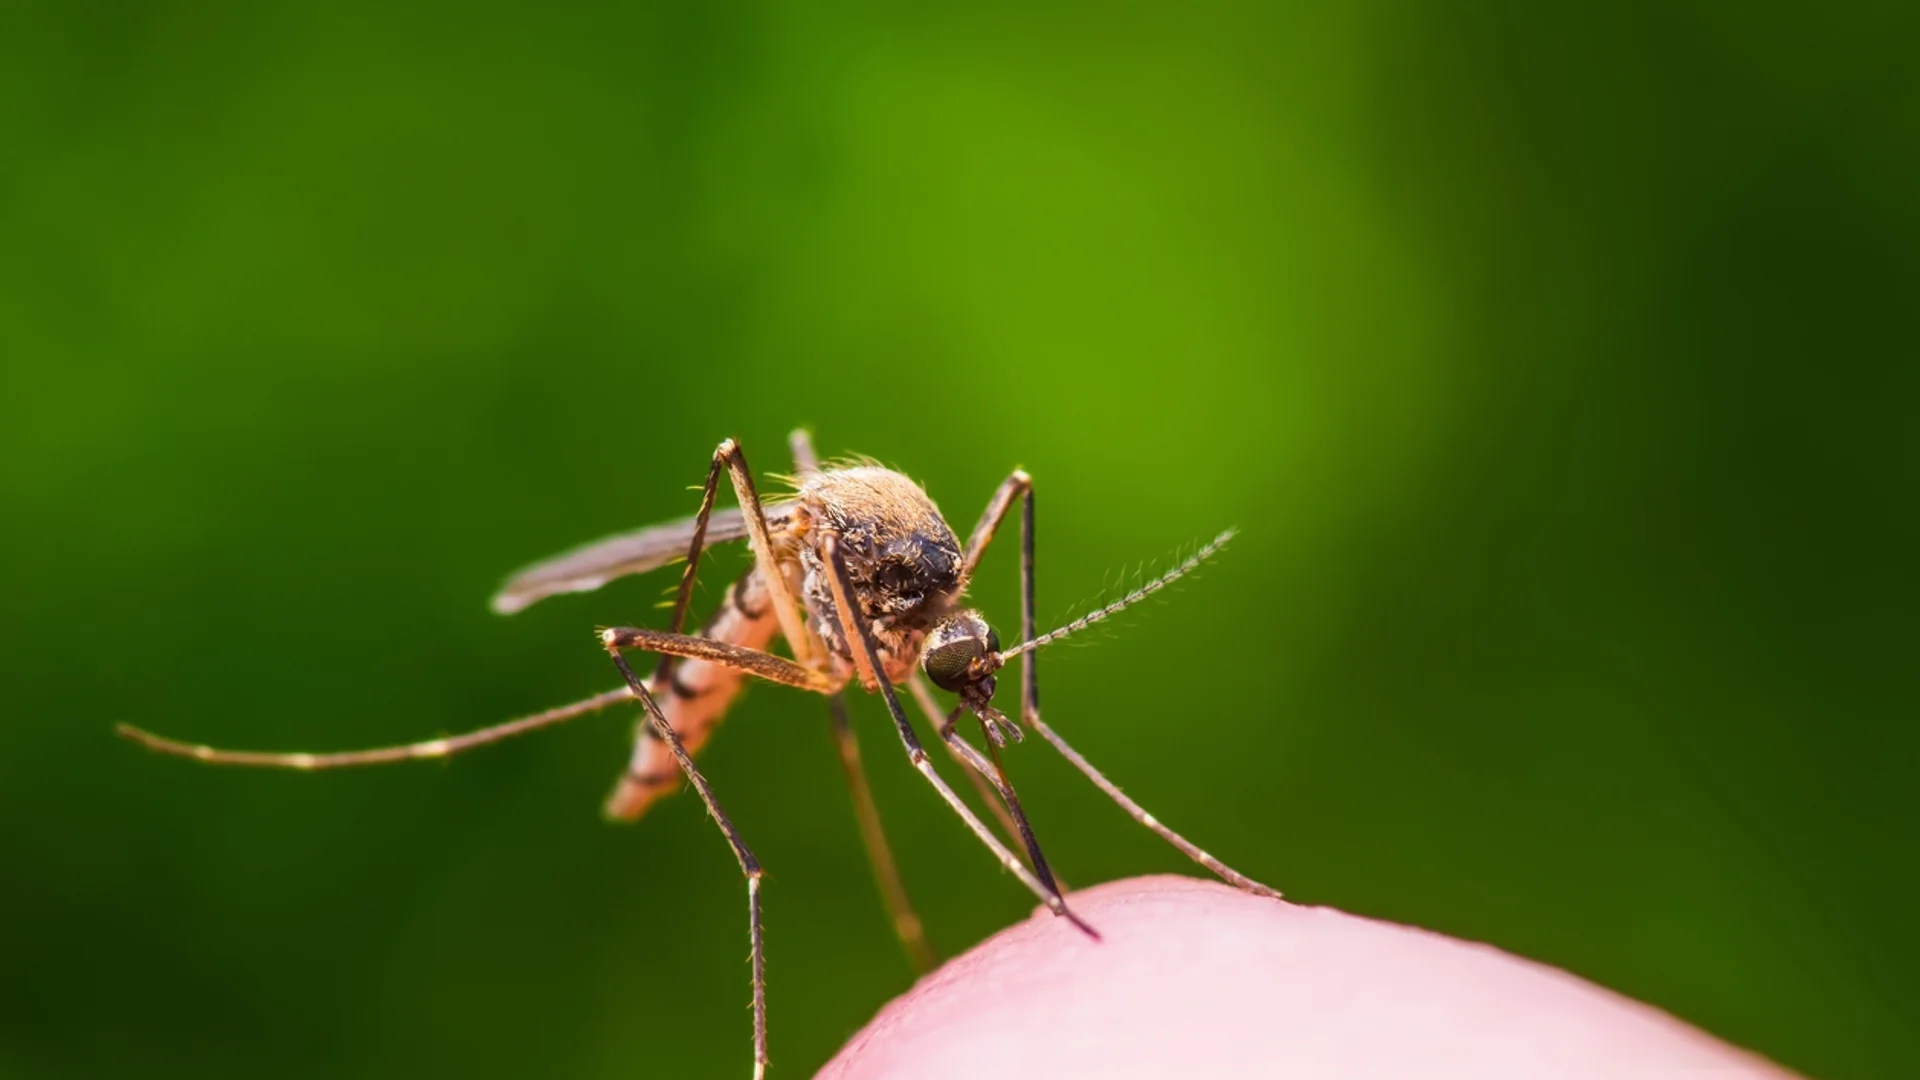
1558, 365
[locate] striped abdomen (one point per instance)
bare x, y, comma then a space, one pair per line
695, 699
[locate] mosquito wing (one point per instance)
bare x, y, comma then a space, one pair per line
590, 566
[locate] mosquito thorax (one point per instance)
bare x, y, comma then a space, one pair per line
957, 654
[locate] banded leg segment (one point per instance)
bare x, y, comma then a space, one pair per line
867, 658
886, 873
785, 608
385, 755
753, 662
749, 865
1016, 485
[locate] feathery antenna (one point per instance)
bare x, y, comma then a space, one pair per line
1134, 597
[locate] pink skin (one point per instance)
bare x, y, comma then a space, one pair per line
1197, 979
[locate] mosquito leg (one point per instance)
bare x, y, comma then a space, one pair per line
785, 608
1187, 847
664, 670
762, 665
419, 751
749, 866
648, 776
1016, 486
906, 924
867, 657
1013, 487
994, 775
923, 697
642, 779
1022, 485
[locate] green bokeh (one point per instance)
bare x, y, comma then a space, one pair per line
1558, 365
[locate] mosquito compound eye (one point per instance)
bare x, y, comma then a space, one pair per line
947, 665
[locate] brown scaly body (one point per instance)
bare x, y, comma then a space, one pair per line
904, 561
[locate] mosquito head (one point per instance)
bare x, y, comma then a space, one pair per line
961, 655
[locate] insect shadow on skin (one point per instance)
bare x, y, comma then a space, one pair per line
860, 575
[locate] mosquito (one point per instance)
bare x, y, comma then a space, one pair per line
863, 579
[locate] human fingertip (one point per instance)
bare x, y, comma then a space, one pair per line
1195, 978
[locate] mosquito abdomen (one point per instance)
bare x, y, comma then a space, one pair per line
694, 699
